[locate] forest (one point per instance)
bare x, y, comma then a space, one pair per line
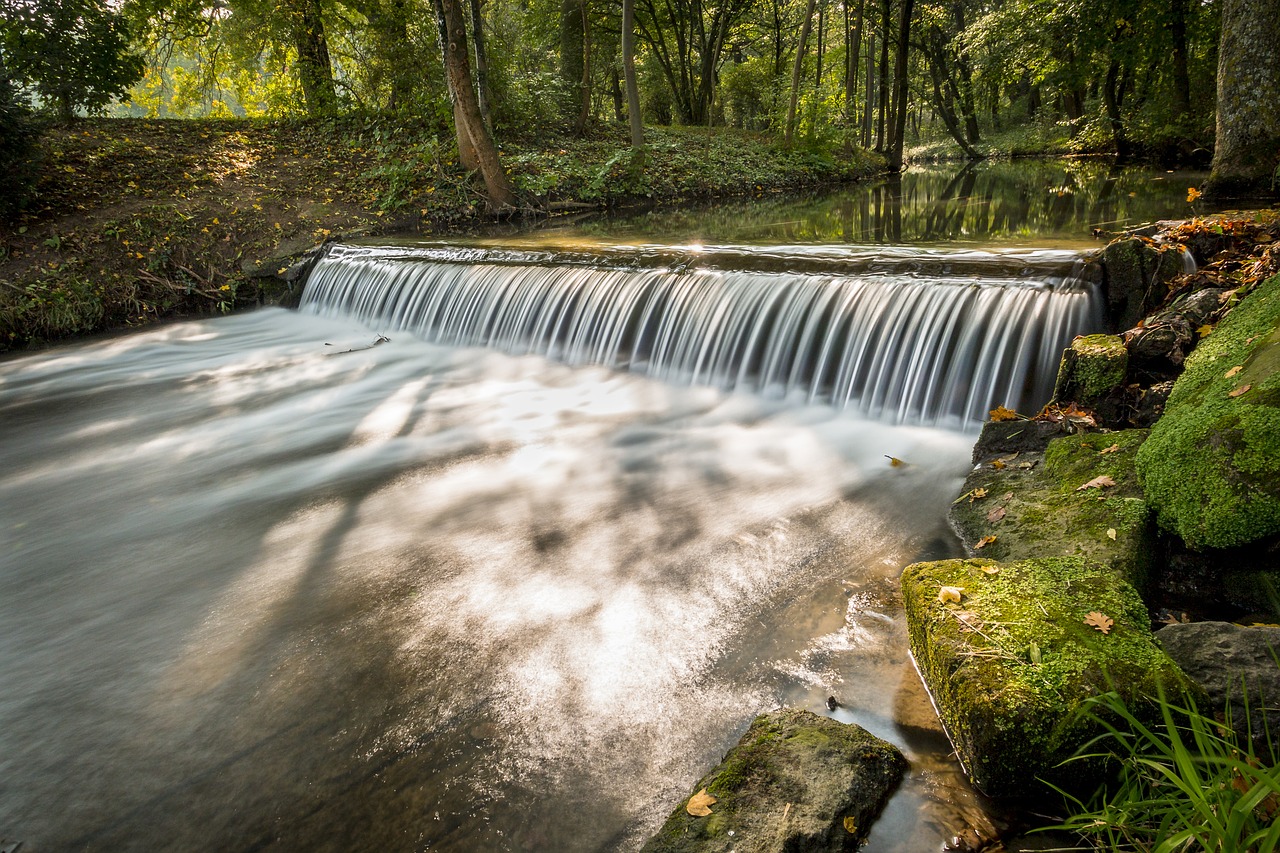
957, 78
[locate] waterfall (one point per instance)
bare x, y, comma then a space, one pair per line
904, 335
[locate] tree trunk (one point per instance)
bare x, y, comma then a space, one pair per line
900, 96
315, 72
482, 64
1246, 156
883, 85
629, 73
572, 50
584, 94
805, 25
1112, 95
854, 40
871, 90
470, 125
1181, 75
935, 57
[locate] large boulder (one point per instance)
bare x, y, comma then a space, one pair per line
1079, 497
1136, 272
1211, 469
1091, 368
1010, 653
795, 781
1239, 669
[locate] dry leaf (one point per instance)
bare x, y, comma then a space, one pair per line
996, 514
1100, 621
1101, 482
983, 542
950, 594
991, 570
894, 461
1000, 413
699, 804
969, 620
1111, 533
851, 826
1239, 391
1204, 330
1112, 449
1008, 496
997, 464
1233, 371
1035, 654
977, 495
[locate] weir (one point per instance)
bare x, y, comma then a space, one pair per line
904, 335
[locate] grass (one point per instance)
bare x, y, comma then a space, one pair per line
1187, 783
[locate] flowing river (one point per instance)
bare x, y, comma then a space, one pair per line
494, 547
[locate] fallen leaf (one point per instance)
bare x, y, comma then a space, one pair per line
699, 804
990, 570
977, 495
851, 826
1100, 482
1000, 413
894, 461
969, 620
1111, 533
996, 514
1204, 330
997, 464
1099, 621
950, 594
1112, 449
1233, 371
983, 542
1008, 496
1239, 391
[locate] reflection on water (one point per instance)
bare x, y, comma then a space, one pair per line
255, 594
1023, 202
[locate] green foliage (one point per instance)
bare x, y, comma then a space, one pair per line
74, 53
1183, 783
18, 135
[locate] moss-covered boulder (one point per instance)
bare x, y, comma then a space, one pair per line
795, 781
1211, 469
1011, 662
1092, 367
1080, 497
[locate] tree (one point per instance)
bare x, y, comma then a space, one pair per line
1246, 156
472, 133
74, 53
629, 72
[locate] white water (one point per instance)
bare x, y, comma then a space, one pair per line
904, 335
255, 594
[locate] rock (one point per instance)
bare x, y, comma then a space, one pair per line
1091, 368
1211, 469
1136, 271
1012, 663
1000, 438
1150, 403
1031, 505
1232, 662
795, 781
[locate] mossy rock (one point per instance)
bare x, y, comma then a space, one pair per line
1033, 506
795, 781
1011, 665
1091, 368
1135, 275
1211, 469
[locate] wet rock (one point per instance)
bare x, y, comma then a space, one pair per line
1000, 438
1026, 505
1136, 273
1090, 369
1149, 404
795, 781
1233, 664
1211, 469
1011, 663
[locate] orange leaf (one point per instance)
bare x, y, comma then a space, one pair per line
1112, 449
1101, 482
699, 804
1239, 391
983, 542
1233, 371
1099, 621
977, 495
1000, 413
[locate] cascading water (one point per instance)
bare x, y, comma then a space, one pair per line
905, 335
265, 586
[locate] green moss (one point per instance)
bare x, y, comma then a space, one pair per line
1010, 665
1212, 467
1046, 513
1091, 368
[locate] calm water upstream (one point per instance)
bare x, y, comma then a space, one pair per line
265, 585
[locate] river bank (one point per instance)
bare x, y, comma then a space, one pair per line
136, 220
